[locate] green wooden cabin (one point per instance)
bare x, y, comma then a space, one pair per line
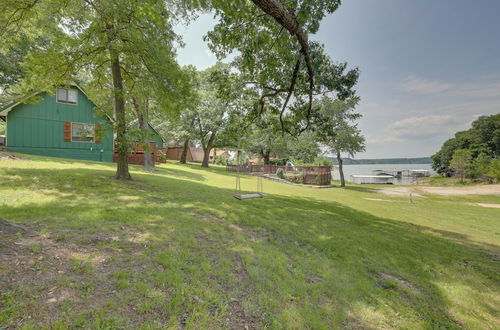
62, 125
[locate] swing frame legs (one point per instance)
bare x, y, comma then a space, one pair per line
260, 185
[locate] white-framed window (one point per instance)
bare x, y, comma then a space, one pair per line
81, 132
66, 95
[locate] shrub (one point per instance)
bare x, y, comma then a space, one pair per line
162, 156
280, 173
220, 160
494, 170
295, 178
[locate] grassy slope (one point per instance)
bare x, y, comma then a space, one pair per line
175, 249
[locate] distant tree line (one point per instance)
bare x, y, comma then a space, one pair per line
419, 160
473, 153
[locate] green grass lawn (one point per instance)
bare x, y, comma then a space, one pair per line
174, 249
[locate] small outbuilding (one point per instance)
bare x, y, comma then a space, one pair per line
193, 154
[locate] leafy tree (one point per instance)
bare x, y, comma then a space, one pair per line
214, 114
11, 58
482, 138
480, 166
277, 58
336, 128
160, 93
93, 36
461, 163
265, 139
494, 169
303, 148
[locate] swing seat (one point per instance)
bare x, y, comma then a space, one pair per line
247, 196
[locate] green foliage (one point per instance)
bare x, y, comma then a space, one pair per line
461, 163
335, 125
494, 170
276, 64
278, 161
3, 126
482, 138
162, 155
280, 173
480, 166
304, 148
221, 160
323, 161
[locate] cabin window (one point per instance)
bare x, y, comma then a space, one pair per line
65, 95
82, 132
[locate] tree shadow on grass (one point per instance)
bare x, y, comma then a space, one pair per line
307, 262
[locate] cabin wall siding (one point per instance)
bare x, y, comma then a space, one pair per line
39, 129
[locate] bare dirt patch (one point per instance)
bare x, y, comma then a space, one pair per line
494, 206
9, 228
401, 281
378, 199
238, 318
400, 192
493, 189
7, 156
55, 269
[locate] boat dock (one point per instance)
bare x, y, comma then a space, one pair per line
373, 179
403, 173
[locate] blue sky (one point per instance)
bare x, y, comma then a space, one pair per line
428, 67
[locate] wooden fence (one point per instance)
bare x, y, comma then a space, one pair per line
317, 175
137, 154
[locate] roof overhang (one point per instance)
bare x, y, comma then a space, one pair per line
5, 110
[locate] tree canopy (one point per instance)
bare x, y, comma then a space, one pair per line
482, 138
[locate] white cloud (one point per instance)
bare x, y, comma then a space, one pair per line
422, 128
424, 86
487, 87
479, 89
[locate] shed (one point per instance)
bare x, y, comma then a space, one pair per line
193, 154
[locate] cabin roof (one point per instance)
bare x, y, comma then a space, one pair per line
7, 108
150, 126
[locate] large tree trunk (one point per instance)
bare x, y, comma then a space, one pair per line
149, 163
266, 155
206, 150
184, 152
122, 172
341, 170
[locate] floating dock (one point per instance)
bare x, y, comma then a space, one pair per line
372, 179
403, 173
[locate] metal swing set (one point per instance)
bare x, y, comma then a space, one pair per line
260, 184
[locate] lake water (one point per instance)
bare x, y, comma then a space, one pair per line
368, 170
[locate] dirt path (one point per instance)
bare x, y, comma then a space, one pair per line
492, 189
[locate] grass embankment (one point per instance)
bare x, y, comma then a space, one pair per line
441, 181
174, 249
